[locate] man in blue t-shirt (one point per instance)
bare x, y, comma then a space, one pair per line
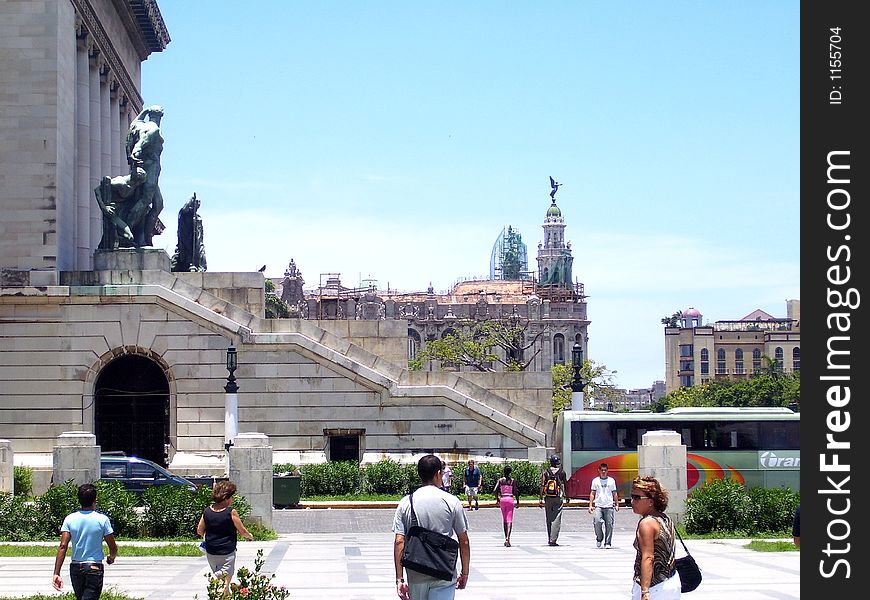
85, 529
473, 481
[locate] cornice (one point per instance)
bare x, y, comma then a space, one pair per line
101, 41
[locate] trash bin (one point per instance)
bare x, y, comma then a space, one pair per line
286, 490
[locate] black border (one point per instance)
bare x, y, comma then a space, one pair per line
827, 127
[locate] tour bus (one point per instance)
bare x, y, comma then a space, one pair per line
757, 446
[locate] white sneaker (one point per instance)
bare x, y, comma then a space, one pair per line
597, 544
607, 545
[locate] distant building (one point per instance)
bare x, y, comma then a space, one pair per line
552, 308
697, 353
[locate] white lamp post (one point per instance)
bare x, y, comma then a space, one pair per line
231, 403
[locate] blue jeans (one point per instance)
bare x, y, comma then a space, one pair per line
87, 580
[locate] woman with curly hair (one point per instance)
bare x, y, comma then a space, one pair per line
654, 575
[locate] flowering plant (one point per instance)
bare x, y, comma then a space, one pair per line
252, 585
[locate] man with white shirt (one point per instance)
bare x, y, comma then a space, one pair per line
603, 500
437, 511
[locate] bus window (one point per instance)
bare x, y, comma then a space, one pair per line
780, 435
598, 435
733, 435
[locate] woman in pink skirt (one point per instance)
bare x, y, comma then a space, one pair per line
507, 496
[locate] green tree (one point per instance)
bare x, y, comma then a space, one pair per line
764, 389
475, 344
673, 320
597, 377
275, 307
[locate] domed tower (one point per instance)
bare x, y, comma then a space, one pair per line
691, 317
554, 255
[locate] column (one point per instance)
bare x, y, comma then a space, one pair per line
662, 454
77, 457
106, 124
251, 471
7, 470
83, 156
115, 139
96, 150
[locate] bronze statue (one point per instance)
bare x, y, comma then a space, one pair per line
555, 186
190, 252
144, 145
116, 196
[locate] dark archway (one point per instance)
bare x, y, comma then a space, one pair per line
131, 408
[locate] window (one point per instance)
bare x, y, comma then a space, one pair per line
687, 350
144, 471
559, 349
738, 361
687, 380
413, 344
720, 362
705, 361
113, 470
780, 435
796, 359
756, 360
778, 357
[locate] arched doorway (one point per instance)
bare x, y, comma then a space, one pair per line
131, 408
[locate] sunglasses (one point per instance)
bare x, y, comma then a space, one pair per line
635, 497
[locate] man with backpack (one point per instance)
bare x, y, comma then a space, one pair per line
553, 487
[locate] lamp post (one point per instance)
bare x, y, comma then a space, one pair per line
231, 402
577, 383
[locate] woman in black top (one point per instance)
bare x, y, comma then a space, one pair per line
220, 523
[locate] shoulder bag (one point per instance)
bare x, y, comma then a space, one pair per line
690, 572
428, 551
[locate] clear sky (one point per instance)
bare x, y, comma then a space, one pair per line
394, 140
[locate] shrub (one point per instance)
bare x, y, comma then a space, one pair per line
20, 521
55, 504
23, 481
331, 479
773, 509
173, 510
528, 476
119, 505
279, 468
385, 477
719, 505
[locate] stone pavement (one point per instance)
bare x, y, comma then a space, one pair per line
350, 558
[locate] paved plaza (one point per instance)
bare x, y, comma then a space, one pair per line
347, 554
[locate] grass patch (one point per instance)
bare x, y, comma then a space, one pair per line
108, 594
13, 550
767, 546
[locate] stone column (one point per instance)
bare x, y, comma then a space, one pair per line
7, 470
106, 138
662, 454
76, 457
96, 149
83, 157
115, 127
251, 471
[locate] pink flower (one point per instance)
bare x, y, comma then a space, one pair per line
244, 591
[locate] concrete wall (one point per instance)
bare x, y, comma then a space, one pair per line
293, 383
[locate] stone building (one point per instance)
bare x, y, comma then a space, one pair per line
548, 304
136, 354
698, 352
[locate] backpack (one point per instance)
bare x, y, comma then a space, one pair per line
551, 487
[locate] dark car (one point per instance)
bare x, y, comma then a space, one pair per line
138, 474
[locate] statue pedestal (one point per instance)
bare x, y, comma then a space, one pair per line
131, 259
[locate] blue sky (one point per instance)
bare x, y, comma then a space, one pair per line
394, 140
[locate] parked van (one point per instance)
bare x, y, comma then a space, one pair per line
138, 474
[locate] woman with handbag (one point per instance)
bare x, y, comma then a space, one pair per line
507, 497
654, 574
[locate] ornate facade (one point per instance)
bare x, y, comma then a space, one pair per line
551, 307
